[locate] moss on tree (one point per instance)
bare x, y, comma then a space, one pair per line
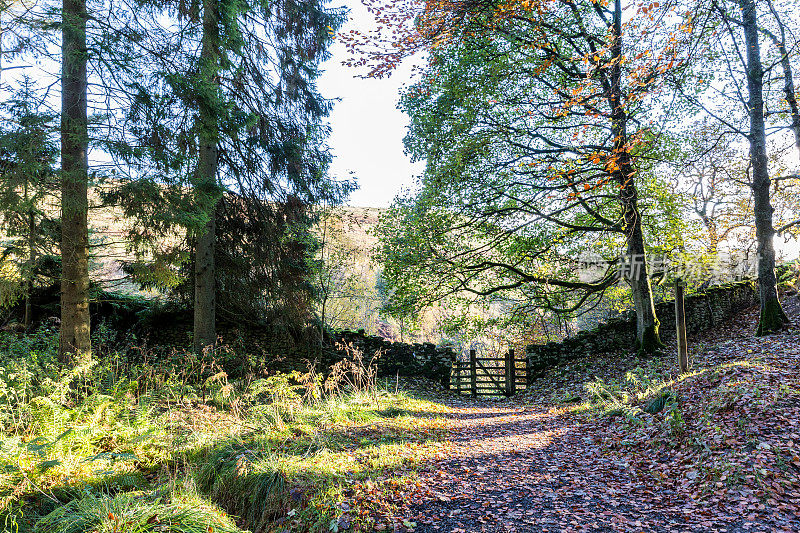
772, 319
650, 342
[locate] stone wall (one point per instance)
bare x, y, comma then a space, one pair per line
703, 311
281, 352
393, 358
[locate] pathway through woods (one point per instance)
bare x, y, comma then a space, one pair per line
516, 469
731, 464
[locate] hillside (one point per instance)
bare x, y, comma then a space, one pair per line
586, 450
108, 229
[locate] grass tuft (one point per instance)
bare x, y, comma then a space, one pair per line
134, 512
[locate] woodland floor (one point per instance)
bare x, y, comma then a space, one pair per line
727, 461
576, 452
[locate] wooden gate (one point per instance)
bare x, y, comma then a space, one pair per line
489, 376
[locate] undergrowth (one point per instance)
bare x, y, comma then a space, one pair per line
135, 443
644, 389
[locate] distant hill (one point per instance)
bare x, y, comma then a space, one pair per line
356, 297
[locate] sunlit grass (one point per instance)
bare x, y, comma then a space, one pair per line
269, 452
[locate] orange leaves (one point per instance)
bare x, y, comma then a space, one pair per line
609, 163
648, 8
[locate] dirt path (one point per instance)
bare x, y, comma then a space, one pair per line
511, 468
514, 469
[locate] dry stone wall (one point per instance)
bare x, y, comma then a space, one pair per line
393, 358
279, 353
703, 311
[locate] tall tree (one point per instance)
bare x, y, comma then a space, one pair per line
208, 132
533, 120
772, 315
236, 115
624, 171
75, 339
27, 180
731, 53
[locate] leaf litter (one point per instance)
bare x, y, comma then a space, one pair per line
723, 454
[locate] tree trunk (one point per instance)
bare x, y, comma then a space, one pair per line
204, 274
772, 316
204, 288
713, 234
30, 268
789, 92
647, 337
75, 341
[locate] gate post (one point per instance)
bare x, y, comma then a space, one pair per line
527, 371
457, 375
510, 374
680, 326
473, 373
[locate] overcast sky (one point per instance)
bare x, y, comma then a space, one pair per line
367, 128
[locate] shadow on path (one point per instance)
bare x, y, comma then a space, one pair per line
513, 469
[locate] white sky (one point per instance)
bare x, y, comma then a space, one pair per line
367, 129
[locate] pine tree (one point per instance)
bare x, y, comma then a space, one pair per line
27, 182
75, 340
206, 176
238, 111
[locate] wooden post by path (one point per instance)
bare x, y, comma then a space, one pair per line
680, 326
457, 374
473, 373
510, 374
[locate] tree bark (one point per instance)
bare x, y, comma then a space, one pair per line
772, 316
205, 334
789, 92
75, 340
30, 268
647, 336
204, 275
648, 339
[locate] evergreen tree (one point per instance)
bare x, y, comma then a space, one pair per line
28, 181
236, 110
75, 339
